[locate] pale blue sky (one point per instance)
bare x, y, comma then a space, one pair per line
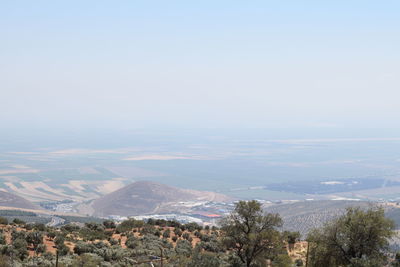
200, 63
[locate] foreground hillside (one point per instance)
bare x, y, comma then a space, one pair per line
246, 237
137, 243
131, 243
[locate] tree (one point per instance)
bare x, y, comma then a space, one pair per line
51, 235
35, 239
358, 238
19, 246
2, 239
251, 233
186, 236
83, 247
183, 247
200, 259
167, 233
39, 227
109, 224
132, 242
282, 260
62, 249
18, 222
177, 232
291, 238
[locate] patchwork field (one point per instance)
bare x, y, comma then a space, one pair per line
247, 168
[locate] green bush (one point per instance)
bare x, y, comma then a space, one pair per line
3, 220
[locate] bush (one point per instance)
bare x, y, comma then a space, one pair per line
132, 242
197, 234
3, 220
193, 226
204, 260
18, 235
18, 222
2, 239
63, 250
185, 236
183, 247
109, 224
70, 228
113, 242
35, 239
19, 248
39, 227
83, 247
148, 229
93, 231
128, 225
157, 233
167, 233
161, 222
51, 235
178, 232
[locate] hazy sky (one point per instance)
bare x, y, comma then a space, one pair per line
199, 63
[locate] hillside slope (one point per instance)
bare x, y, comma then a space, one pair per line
14, 201
145, 197
306, 215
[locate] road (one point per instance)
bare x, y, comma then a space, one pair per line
55, 221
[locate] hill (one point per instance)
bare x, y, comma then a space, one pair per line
14, 201
306, 215
144, 197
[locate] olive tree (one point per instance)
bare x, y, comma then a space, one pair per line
358, 238
251, 233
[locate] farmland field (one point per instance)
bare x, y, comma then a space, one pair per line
241, 166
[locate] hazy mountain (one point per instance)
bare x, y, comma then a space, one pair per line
145, 197
14, 201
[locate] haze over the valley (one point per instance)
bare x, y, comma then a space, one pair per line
284, 101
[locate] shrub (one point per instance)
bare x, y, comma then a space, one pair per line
178, 232
128, 225
19, 248
83, 247
18, 222
132, 242
2, 239
109, 224
186, 236
3, 220
167, 233
183, 247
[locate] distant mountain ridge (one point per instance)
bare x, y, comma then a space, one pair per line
144, 197
13, 201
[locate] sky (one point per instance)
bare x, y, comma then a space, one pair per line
203, 64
